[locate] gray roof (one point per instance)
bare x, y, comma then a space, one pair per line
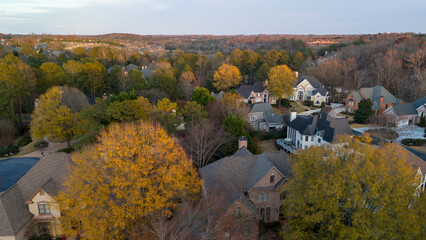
131, 67
234, 175
311, 79
219, 95
404, 109
374, 93
328, 126
243, 151
245, 90
419, 102
268, 112
47, 174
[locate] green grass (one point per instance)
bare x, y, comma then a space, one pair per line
298, 108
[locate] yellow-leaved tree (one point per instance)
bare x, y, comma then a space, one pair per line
353, 190
135, 170
51, 118
281, 81
226, 76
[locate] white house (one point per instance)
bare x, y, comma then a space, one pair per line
308, 88
306, 131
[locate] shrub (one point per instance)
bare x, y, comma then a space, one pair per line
24, 141
323, 104
413, 141
67, 149
43, 237
285, 102
41, 144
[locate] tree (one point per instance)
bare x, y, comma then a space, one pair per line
164, 79
7, 132
51, 75
92, 79
193, 112
129, 110
16, 81
297, 61
226, 76
203, 141
187, 84
135, 170
352, 190
281, 81
93, 117
232, 104
73, 69
364, 110
52, 119
422, 120
165, 113
202, 96
262, 72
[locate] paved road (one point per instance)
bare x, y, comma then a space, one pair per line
307, 113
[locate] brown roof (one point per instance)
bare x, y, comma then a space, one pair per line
412, 158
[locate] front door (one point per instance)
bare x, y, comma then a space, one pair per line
300, 96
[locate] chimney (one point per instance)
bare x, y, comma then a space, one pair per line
297, 74
105, 96
381, 99
242, 142
293, 115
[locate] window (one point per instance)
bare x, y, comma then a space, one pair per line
263, 197
43, 208
308, 92
268, 214
306, 138
272, 178
262, 212
253, 118
260, 198
319, 140
41, 193
237, 211
227, 235
317, 103
312, 138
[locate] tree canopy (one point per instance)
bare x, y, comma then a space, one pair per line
352, 190
226, 76
135, 169
364, 110
281, 81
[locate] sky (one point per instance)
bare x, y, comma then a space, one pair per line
218, 17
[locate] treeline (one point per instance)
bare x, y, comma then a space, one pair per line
394, 62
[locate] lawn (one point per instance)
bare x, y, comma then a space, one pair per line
421, 149
358, 125
298, 108
268, 145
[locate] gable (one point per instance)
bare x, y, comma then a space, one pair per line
265, 180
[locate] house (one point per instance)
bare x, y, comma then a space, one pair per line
308, 88
28, 207
407, 113
381, 98
218, 96
256, 93
251, 186
307, 131
262, 117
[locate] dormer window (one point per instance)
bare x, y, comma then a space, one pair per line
43, 208
272, 178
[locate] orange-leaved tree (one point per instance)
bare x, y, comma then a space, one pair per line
281, 81
226, 76
135, 170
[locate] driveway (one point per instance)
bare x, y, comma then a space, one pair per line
334, 111
307, 113
410, 131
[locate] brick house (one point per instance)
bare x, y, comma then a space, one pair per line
407, 113
381, 98
256, 93
251, 186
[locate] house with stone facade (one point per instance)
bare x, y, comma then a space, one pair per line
256, 93
251, 186
307, 131
380, 96
28, 207
406, 113
308, 88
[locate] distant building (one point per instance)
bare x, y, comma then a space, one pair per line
308, 88
307, 131
28, 207
407, 113
381, 98
256, 93
262, 117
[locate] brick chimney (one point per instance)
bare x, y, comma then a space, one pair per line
242, 142
381, 99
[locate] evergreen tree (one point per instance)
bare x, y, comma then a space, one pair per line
364, 111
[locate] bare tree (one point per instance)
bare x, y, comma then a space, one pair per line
203, 141
348, 68
7, 132
388, 69
360, 77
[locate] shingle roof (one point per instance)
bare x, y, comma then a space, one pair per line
328, 126
242, 152
219, 95
245, 90
419, 102
412, 158
48, 173
235, 174
404, 109
374, 93
268, 112
130, 67
311, 79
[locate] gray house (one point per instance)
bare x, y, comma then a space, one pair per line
407, 113
262, 117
